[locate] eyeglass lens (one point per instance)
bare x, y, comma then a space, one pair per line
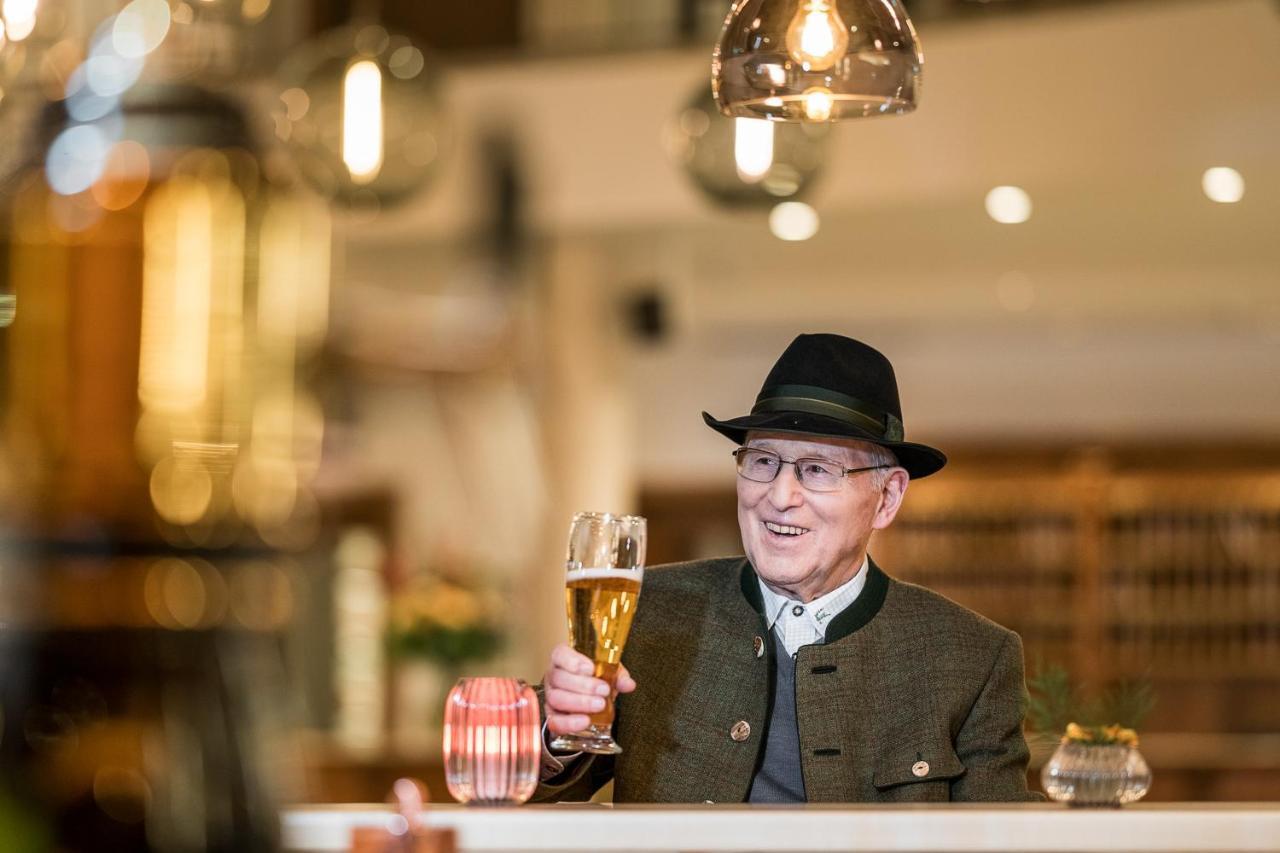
762, 466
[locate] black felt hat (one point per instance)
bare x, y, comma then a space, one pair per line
829, 385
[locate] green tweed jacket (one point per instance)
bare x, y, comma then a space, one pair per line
912, 698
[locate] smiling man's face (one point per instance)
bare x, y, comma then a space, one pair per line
804, 544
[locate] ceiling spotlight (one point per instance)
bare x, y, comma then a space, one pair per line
1009, 205
1223, 184
793, 221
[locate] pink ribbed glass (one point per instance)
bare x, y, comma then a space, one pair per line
492, 741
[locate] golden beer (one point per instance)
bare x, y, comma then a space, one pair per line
601, 604
603, 571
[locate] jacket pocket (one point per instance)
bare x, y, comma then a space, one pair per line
918, 775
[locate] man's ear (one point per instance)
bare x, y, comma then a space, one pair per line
895, 489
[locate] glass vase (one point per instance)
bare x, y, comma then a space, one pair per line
1082, 774
492, 741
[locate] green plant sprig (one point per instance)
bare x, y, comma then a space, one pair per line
447, 646
1054, 704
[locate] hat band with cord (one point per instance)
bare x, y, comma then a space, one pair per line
813, 400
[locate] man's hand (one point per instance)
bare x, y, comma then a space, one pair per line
571, 693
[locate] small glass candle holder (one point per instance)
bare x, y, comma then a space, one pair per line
492, 741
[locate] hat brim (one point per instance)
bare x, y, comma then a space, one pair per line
920, 460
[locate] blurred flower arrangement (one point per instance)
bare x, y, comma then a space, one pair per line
443, 622
1076, 733
1096, 760
1059, 711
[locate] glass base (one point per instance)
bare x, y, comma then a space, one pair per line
598, 742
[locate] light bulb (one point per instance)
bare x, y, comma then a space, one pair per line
362, 120
816, 37
818, 104
752, 148
362, 115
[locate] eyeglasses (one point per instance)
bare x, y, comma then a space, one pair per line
816, 475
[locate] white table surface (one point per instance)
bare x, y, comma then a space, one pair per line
1033, 828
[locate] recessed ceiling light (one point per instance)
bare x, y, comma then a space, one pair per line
793, 221
1009, 205
1223, 184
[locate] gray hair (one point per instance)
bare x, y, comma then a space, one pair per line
877, 455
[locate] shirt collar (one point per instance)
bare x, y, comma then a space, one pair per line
821, 610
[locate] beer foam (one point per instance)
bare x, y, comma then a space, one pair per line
574, 575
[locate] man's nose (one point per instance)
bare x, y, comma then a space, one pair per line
785, 491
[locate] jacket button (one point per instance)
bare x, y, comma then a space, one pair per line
758, 642
741, 731
920, 768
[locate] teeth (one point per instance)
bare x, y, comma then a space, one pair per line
785, 529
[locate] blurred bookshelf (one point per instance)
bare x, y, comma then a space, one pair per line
1155, 563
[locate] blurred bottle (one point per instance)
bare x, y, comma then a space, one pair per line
157, 442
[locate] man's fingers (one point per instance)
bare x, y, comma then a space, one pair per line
563, 724
563, 657
625, 683
566, 702
584, 684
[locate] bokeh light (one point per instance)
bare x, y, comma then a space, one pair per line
1008, 205
124, 177
19, 18
793, 221
184, 594
181, 490
76, 158
82, 102
1223, 184
253, 10
140, 27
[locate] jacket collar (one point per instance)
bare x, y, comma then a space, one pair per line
852, 618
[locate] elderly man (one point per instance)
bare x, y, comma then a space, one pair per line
802, 672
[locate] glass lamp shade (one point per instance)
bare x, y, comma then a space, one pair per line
492, 741
362, 116
816, 60
744, 162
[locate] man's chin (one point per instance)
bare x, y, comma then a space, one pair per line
779, 573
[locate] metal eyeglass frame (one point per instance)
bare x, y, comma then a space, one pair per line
795, 463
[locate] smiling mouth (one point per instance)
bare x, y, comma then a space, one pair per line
785, 529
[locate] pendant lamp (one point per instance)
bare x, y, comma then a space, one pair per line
363, 117
745, 162
816, 60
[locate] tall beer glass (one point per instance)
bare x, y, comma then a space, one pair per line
602, 584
